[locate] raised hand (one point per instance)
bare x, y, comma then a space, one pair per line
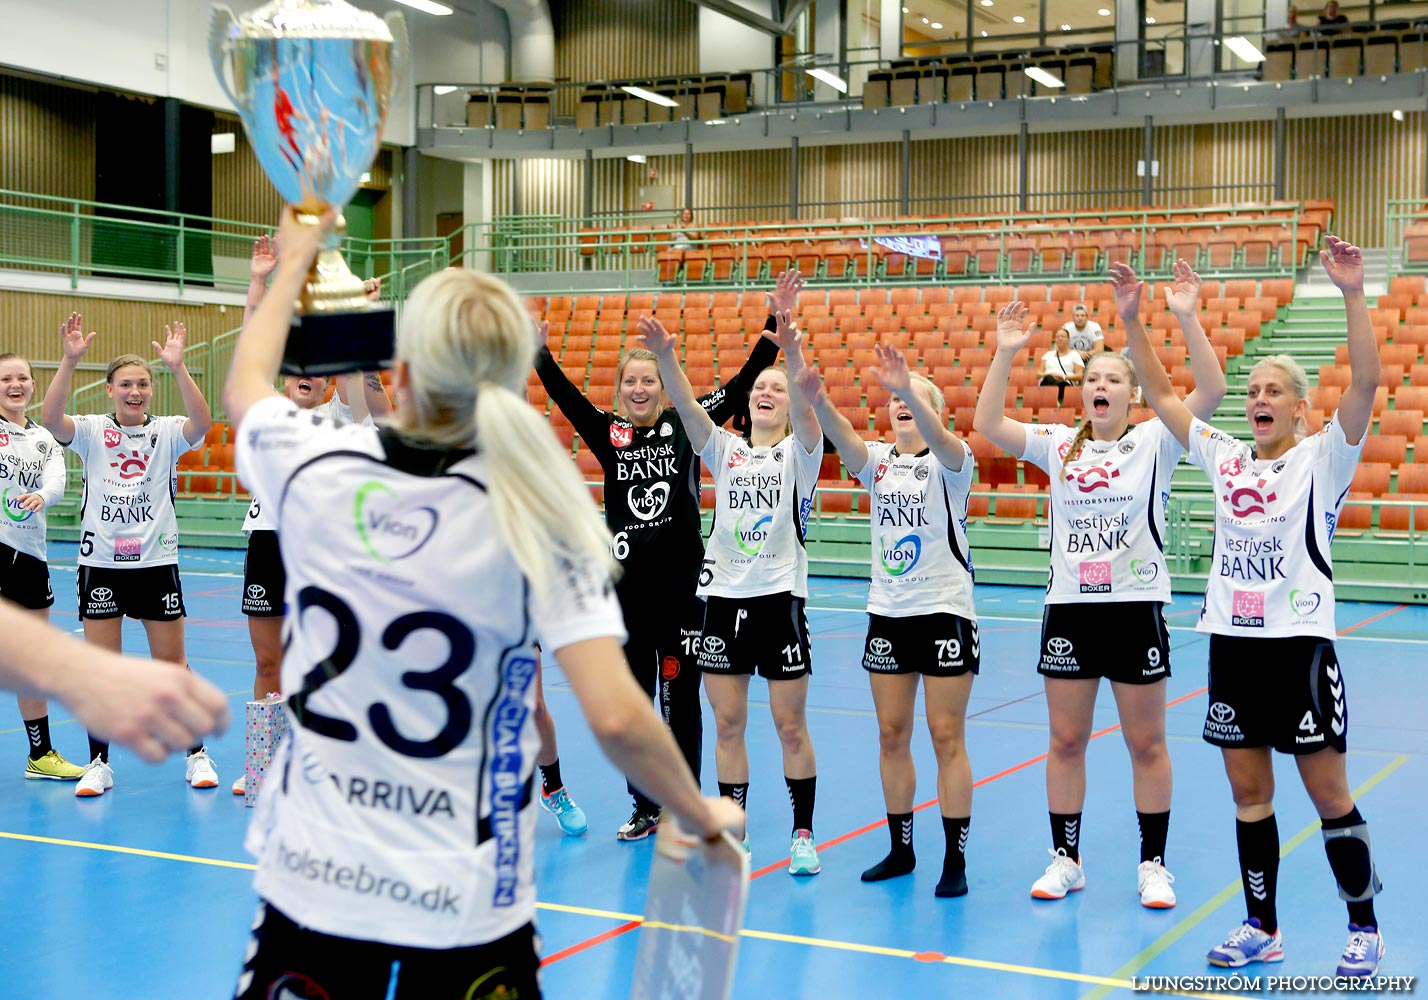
302, 240
785, 333
810, 383
1129, 290
891, 371
72, 334
542, 333
784, 297
372, 288
656, 338
1344, 263
1184, 297
171, 353
1012, 333
265, 257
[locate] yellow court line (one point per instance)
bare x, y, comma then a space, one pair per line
138, 851
1220, 898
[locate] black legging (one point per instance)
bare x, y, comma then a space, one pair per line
660, 623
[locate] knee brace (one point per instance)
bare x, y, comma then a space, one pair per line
1349, 847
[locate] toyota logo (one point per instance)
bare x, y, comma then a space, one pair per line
880, 647
256, 592
712, 644
1222, 713
101, 594
1058, 646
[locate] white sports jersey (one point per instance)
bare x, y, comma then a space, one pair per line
30, 462
403, 809
1274, 520
129, 484
1107, 512
257, 519
922, 564
763, 497
1087, 339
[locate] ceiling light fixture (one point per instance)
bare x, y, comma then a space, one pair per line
1244, 48
636, 158
1042, 77
1019, 19
936, 25
427, 7
651, 96
1104, 12
1149, 20
1397, 114
1066, 27
445, 88
832, 79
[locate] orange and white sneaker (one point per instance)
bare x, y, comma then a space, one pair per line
240, 787
98, 778
1153, 883
1063, 875
199, 771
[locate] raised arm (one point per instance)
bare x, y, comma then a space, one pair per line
264, 259
589, 421
75, 343
851, 448
1183, 299
800, 412
676, 384
171, 354
1344, 264
990, 418
1159, 393
259, 350
762, 355
893, 375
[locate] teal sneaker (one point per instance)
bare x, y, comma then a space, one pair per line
748, 848
570, 816
803, 854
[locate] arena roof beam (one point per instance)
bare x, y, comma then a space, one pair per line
783, 14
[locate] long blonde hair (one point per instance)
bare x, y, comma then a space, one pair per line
465, 338
1083, 433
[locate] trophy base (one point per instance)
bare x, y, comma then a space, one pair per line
337, 343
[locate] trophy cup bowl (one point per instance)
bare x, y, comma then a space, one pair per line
312, 81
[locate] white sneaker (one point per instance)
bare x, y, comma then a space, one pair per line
1061, 876
199, 771
1363, 952
1153, 883
240, 787
98, 778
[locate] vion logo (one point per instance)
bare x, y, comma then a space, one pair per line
12, 506
387, 530
751, 540
1303, 602
899, 557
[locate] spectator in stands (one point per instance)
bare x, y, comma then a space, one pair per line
1275, 680
682, 238
1330, 17
1109, 580
1061, 366
1292, 28
1087, 337
921, 620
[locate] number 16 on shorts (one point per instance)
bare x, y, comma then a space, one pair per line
689, 941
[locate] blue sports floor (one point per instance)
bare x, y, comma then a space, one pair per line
145, 892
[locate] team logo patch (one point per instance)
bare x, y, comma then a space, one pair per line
882, 471
130, 465
1126, 446
256, 592
879, 646
1096, 577
4, 440
1058, 646
648, 502
666, 430
1222, 713
1097, 477
713, 645
128, 549
621, 434
1277, 467
737, 458
101, 594
1247, 609
669, 668
1303, 602
112, 437
921, 473
1247, 500
389, 530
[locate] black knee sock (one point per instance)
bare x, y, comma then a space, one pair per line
738, 791
38, 730
194, 750
1154, 831
1352, 863
1258, 844
1066, 834
98, 749
550, 777
954, 861
801, 792
901, 859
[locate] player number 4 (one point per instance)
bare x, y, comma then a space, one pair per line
1307, 723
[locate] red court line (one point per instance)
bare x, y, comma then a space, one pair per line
625, 928
1369, 621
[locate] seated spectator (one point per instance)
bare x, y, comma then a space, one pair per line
681, 239
1331, 16
1292, 28
1062, 366
1087, 338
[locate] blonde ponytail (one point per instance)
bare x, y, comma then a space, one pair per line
540, 520
1083, 434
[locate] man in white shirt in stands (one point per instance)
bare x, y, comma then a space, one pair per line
1086, 334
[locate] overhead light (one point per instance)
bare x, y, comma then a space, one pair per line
984, 33
651, 96
986, 3
1149, 20
366, 177
226, 142
937, 25
1066, 27
716, 121
1042, 77
906, 11
444, 89
1019, 19
926, 21
636, 158
832, 79
1244, 48
1104, 12
1397, 115
427, 7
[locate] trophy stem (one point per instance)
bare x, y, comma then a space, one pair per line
331, 286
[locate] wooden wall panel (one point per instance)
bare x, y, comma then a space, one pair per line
964, 176
46, 138
622, 39
1102, 161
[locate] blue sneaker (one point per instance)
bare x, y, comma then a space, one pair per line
1362, 953
1247, 943
803, 854
570, 816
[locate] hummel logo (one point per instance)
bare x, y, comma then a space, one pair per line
1073, 827
1256, 884
962, 839
906, 832
34, 730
